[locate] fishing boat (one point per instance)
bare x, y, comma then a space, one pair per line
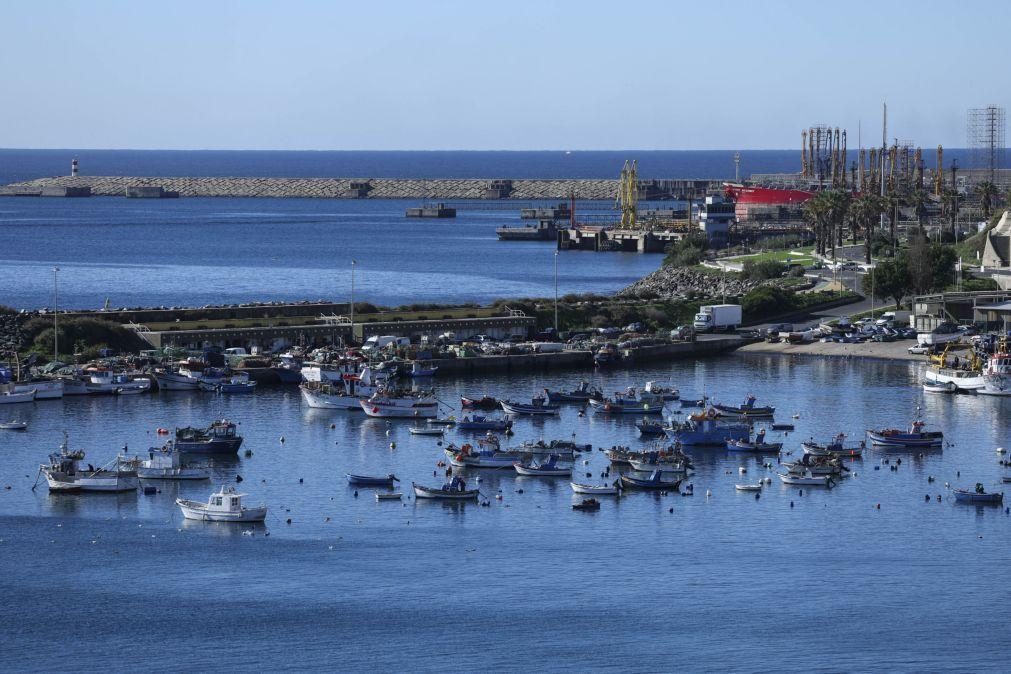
757, 446
13, 425
45, 389
218, 438
9, 397
997, 373
371, 481
606, 355
489, 456
587, 504
454, 490
563, 448
388, 405
480, 423
580, 394
978, 496
655, 390
748, 487
915, 437
947, 387
224, 505
747, 409
422, 369
837, 446
623, 404
184, 376
613, 489
107, 382
165, 463
807, 479
64, 473
655, 481
816, 465
536, 407
548, 468
706, 429
479, 403
650, 428
423, 430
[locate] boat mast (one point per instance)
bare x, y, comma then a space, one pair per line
352, 338
56, 314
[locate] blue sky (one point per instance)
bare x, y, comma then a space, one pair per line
480, 75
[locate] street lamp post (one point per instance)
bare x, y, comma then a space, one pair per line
56, 314
351, 340
556, 294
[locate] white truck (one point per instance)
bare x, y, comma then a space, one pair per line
718, 317
378, 342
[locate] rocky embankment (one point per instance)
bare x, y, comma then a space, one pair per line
326, 188
678, 283
11, 336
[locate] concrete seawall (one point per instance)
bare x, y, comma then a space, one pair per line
323, 188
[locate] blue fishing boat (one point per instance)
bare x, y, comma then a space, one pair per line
647, 427
218, 438
914, 438
536, 407
479, 423
757, 446
655, 481
978, 496
706, 429
580, 394
371, 481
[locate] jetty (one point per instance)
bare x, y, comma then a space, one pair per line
486, 189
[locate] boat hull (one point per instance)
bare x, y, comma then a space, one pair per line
528, 410
963, 379
173, 474
44, 390
197, 511
443, 495
330, 401
978, 499
169, 381
370, 481
630, 482
96, 484
906, 440
17, 398
596, 490
214, 446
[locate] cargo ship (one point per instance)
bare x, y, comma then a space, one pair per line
756, 195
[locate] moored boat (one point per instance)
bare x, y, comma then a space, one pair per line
224, 505
748, 487
65, 473
655, 481
536, 407
978, 496
485, 402
915, 437
946, 387
422, 369
218, 438
13, 425
165, 463
426, 430
837, 446
651, 428
371, 480
9, 397
613, 489
807, 479
747, 409
705, 429
385, 405
580, 394
481, 423
587, 504
758, 445
454, 490
548, 468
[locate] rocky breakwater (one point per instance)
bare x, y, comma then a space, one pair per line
325, 188
678, 283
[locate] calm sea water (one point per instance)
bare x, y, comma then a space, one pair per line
192, 252
824, 581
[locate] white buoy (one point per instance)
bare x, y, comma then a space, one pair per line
742, 470
1000, 450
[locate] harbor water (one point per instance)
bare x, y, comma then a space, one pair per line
198, 251
869, 576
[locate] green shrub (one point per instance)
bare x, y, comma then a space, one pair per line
762, 270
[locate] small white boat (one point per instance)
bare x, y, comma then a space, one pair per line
420, 430
13, 426
940, 387
454, 490
664, 466
224, 505
748, 487
548, 468
807, 480
384, 496
597, 489
11, 398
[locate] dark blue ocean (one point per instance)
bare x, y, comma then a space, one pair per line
798, 580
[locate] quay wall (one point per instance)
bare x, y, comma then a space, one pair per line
321, 188
351, 188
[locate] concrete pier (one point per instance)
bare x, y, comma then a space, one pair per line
352, 188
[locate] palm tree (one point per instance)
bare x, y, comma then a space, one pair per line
816, 212
987, 192
864, 212
839, 203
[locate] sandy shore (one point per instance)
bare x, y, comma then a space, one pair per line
876, 350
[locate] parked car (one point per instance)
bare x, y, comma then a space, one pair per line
634, 327
918, 349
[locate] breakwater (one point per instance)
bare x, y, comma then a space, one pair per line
350, 188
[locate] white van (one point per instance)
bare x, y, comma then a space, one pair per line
377, 342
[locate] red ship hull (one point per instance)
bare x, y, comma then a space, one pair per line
752, 195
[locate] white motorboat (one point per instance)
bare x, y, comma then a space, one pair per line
454, 490
748, 487
649, 466
9, 397
13, 425
224, 505
421, 430
965, 380
107, 382
185, 377
64, 473
597, 489
337, 389
388, 496
165, 463
386, 406
997, 374
946, 387
807, 479
45, 389
548, 468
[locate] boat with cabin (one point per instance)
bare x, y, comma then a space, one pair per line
389, 405
108, 382
548, 468
65, 473
581, 394
218, 438
747, 409
997, 373
914, 438
224, 505
629, 402
165, 463
757, 446
705, 429
536, 407
837, 446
